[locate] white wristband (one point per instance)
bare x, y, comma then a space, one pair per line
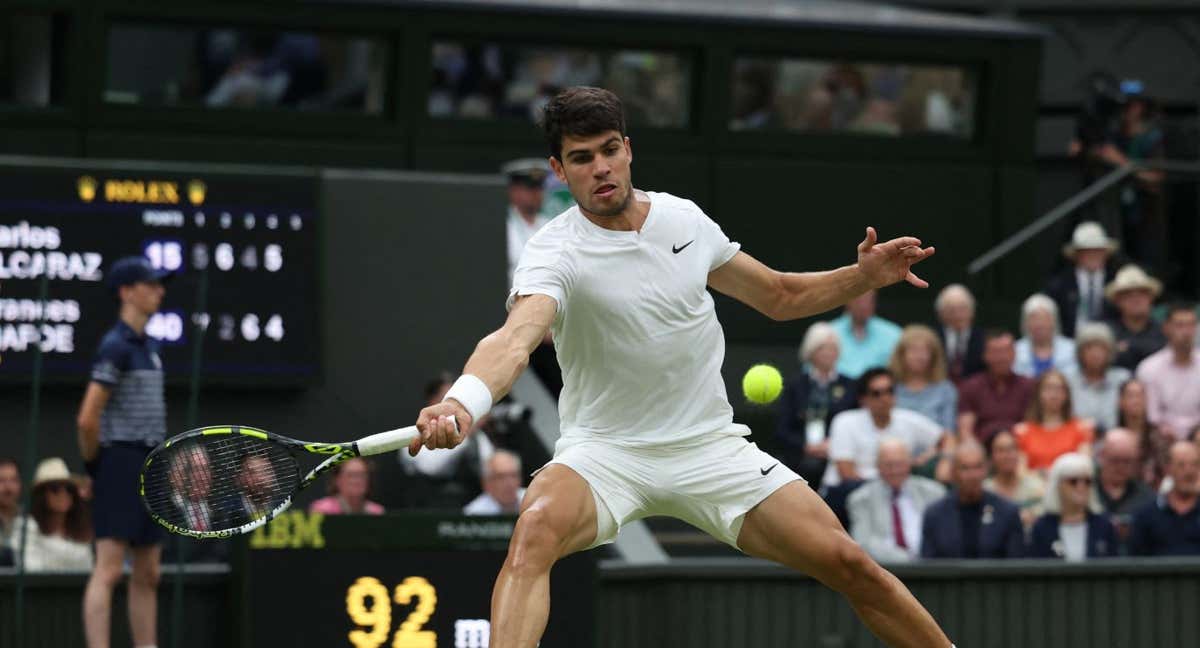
473, 394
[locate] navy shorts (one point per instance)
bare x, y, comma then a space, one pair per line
117, 510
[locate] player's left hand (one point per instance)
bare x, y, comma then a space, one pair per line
886, 263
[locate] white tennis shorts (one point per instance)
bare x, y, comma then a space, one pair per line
710, 483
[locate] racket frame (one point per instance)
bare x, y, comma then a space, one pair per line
336, 453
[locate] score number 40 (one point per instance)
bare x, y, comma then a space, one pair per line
379, 616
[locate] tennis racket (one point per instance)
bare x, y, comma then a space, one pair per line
221, 481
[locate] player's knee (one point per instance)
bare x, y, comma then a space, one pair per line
855, 570
535, 542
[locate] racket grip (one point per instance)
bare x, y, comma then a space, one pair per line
390, 440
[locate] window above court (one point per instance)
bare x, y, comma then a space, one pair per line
221, 67
888, 99
499, 81
31, 59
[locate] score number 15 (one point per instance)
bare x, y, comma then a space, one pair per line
379, 616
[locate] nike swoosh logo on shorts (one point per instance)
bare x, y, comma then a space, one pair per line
764, 471
679, 249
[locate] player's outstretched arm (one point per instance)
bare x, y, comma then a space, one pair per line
498, 360
793, 295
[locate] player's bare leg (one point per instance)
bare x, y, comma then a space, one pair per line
143, 595
558, 517
97, 596
794, 527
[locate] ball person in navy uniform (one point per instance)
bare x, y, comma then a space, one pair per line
122, 417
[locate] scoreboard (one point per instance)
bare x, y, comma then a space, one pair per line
409, 580
243, 247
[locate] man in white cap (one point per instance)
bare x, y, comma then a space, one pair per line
1138, 335
1079, 290
526, 193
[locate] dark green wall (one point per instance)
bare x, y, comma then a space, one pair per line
1031, 604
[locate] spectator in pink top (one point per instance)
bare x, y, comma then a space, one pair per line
348, 489
1172, 375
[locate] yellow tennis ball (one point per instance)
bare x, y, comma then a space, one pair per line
762, 384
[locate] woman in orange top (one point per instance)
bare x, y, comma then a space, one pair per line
1050, 428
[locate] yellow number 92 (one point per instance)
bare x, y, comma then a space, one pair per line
378, 617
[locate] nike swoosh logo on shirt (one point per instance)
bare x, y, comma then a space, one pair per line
764, 471
679, 249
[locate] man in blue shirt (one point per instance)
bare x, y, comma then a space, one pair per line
1170, 526
123, 416
867, 341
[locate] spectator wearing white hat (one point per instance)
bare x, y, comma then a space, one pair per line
1095, 383
1041, 346
1137, 334
57, 532
1079, 290
526, 193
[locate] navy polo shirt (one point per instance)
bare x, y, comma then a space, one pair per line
129, 365
1159, 531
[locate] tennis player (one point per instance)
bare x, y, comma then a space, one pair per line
622, 280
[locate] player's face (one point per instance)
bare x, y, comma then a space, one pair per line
596, 169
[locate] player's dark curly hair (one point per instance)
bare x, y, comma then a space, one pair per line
581, 111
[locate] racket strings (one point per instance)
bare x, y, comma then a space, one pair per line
218, 482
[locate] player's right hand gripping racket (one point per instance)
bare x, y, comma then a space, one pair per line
220, 481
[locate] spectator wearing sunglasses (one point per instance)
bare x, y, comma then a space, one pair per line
58, 530
1070, 530
855, 434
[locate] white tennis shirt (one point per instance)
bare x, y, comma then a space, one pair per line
637, 336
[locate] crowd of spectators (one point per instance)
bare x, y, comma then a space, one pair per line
1077, 440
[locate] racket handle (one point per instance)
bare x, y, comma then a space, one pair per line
390, 440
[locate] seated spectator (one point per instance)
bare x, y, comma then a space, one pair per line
447, 479
810, 399
1118, 491
1078, 291
1172, 375
866, 340
960, 337
10, 499
1052, 429
885, 513
58, 530
1153, 443
1068, 530
919, 365
1137, 334
1170, 525
1042, 348
995, 399
855, 434
1012, 481
10, 507
1094, 382
349, 488
970, 522
502, 492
